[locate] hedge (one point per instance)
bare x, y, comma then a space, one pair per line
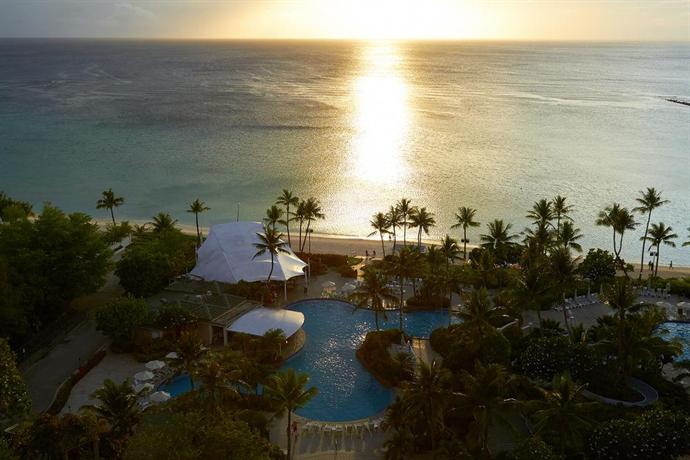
373, 353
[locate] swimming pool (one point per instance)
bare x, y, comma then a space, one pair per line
177, 385
347, 391
679, 330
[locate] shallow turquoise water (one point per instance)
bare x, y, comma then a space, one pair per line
679, 330
178, 385
347, 391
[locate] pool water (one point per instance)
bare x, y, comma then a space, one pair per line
679, 330
334, 330
177, 385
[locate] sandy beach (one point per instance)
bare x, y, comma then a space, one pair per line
354, 246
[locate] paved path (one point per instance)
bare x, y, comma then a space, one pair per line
45, 376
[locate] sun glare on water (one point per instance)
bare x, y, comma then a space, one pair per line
381, 117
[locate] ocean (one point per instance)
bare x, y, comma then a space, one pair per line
357, 125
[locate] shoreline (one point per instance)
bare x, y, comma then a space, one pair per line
357, 246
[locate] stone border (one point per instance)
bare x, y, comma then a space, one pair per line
649, 395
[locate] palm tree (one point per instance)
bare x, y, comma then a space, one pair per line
189, 350
406, 210
163, 222
93, 428
288, 390
660, 234
118, 405
541, 236
533, 286
477, 313
569, 235
395, 221
607, 217
197, 207
620, 220
273, 216
427, 397
110, 201
465, 218
300, 215
562, 268
560, 211
287, 199
649, 200
563, 413
373, 293
403, 265
485, 397
423, 221
270, 241
541, 212
380, 224
215, 377
620, 297
498, 235
312, 212
450, 250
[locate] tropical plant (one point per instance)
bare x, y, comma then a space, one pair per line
657, 235
450, 251
561, 211
649, 200
174, 317
14, 397
563, 269
395, 220
197, 207
598, 266
215, 377
541, 236
406, 209
270, 241
274, 215
120, 319
403, 265
163, 222
464, 219
288, 390
541, 212
563, 413
11, 209
619, 219
498, 236
287, 199
422, 220
427, 397
373, 293
568, 236
109, 201
379, 222
119, 406
300, 215
189, 351
485, 396
477, 312
313, 212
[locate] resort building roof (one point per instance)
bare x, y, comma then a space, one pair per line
228, 255
261, 320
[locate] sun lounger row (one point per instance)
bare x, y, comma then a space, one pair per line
657, 293
345, 429
578, 302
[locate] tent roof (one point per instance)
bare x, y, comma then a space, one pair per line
261, 320
228, 255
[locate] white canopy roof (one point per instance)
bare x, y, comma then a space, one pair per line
227, 255
261, 320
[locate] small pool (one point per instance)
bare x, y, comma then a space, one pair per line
347, 391
178, 385
679, 330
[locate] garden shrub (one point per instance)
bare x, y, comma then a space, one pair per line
534, 448
599, 266
546, 356
119, 320
656, 435
374, 355
467, 348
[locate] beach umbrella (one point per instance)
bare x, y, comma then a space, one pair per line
171, 355
159, 396
154, 365
347, 287
665, 305
683, 304
328, 285
143, 376
139, 387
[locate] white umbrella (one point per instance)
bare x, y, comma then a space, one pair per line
348, 287
154, 365
683, 304
159, 396
171, 355
328, 285
143, 376
139, 387
665, 305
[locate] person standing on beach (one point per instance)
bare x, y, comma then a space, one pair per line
670, 265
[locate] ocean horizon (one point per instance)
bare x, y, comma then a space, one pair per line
356, 124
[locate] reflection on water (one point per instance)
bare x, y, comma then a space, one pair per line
381, 116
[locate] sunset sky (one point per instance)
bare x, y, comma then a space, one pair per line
364, 19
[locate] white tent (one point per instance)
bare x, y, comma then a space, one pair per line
227, 255
261, 320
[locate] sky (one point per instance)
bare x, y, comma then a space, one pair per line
359, 19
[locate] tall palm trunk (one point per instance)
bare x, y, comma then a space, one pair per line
112, 215
270, 273
287, 224
419, 238
464, 243
289, 435
405, 234
395, 239
383, 247
656, 267
198, 234
299, 243
306, 233
644, 243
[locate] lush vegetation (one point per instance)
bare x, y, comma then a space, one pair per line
45, 263
391, 369
14, 397
120, 319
